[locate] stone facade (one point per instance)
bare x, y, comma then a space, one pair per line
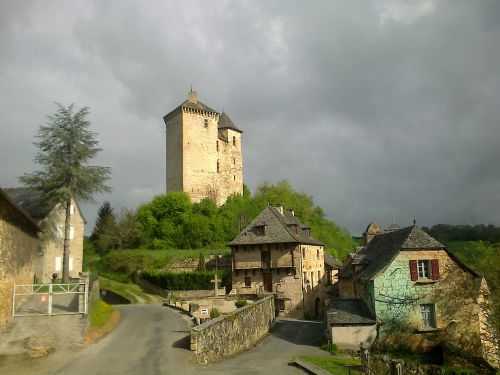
18, 248
276, 262
52, 241
203, 152
233, 333
414, 287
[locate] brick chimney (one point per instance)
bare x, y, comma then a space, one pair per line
192, 97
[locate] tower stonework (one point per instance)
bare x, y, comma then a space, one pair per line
203, 156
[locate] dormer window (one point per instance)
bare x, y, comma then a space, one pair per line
260, 230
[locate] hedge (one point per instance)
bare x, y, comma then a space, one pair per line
184, 280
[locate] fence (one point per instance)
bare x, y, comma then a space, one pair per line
50, 299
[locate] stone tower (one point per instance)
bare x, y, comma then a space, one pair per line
204, 156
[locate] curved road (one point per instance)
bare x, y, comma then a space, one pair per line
152, 339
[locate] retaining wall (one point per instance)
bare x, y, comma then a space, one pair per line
228, 335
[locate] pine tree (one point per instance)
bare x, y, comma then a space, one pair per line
104, 214
65, 147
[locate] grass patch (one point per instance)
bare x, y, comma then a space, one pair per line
334, 364
130, 291
100, 313
103, 319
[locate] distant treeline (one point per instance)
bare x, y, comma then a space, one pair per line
481, 232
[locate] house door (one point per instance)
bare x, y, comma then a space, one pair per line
268, 281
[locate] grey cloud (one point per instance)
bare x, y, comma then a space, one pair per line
379, 110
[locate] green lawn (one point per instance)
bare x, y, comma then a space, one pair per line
334, 364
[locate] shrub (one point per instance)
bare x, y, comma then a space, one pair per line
330, 347
214, 313
184, 280
240, 302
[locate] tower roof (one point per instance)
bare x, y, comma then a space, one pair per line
225, 122
192, 102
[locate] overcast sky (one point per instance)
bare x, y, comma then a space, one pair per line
378, 109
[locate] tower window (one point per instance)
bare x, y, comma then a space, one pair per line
218, 167
217, 143
205, 123
234, 177
234, 141
234, 161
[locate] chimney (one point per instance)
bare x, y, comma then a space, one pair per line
192, 97
279, 207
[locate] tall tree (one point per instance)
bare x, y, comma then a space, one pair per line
65, 146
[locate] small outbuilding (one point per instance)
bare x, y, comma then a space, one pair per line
351, 323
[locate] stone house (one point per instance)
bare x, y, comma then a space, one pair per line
203, 152
275, 253
19, 246
407, 281
50, 219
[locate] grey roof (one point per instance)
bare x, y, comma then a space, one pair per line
279, 228
225, 122
32, 226
30, 201
349, 311
332, 262
382, 249
189, 104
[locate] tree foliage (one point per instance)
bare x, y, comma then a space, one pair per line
65, 146
178, 223
446, 233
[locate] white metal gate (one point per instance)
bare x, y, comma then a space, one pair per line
50, 299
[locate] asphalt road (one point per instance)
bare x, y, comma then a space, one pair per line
153, 339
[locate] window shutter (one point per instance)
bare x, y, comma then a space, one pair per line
435, 269
413, 270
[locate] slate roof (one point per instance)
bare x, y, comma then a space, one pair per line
30, 201
279, 228
188, 104
225, 122
33, 227
332, 262
382, 249
349, 311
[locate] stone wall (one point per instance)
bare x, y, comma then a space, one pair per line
194, 294
18, 248
52, 244
228, 335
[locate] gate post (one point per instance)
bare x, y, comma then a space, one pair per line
84, 279
50, 299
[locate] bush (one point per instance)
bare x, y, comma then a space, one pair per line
184, 280
214, 313
330, 347
240, 302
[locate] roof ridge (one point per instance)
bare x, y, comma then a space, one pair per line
282, 222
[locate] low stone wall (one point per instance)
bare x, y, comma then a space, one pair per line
194, 294
228, 335
381, 364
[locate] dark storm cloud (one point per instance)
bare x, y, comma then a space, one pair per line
379, 110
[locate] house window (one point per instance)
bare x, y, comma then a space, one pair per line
234, 141
71, 264
303, 252
317, 254
71, 233
248, 281
59, 231
58, 264
71, 209
312, 278
253, 272
217, 145
205, 123
218, 166
423, 269
281, 305
428, 315
260, 230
